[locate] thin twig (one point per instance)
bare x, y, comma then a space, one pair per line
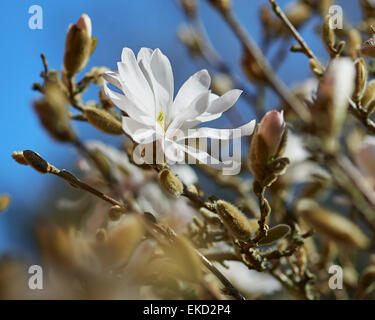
45, 63
280, 13
276, 83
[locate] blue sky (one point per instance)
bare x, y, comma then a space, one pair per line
116, 24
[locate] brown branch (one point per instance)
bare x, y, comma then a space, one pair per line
279, 87
276, 8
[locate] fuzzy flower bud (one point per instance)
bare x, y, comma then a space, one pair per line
37, 162
223, 5
84, 23
271, 130
78, 45
103, 121
369, 93
18, 156
333, 226
191, 39
235, 221
251, 68
298, 13
171, 183
354, 42
53, 113
268, 143
360, 79
335, 89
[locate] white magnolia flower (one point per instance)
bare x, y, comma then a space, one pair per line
152, 115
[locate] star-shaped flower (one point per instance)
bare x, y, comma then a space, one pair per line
152, 115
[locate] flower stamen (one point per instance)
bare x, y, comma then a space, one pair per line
160, 119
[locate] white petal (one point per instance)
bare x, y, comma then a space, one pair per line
128, 106
220, 134
162, 71
193, 87
217, 106
113, 78
204, 157
223, 103
144, 54
194, 110
133, 79
139, 132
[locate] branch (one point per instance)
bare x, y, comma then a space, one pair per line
279, 87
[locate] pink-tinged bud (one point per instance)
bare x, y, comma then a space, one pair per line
267, 145
79, 45
271, 129
338, 83
84, 23
330, 109
365, 158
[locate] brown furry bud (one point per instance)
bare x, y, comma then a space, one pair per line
251, 68
298, 13
369, 93
360, 79
323, 6
192, 189
222, 5
235, 221
70, 178
53, 113
78, 45
18, 156
354, 43
171, 183
267, 144
328, 34
37, 162
103, 121
332, 225
190, 7
191, 39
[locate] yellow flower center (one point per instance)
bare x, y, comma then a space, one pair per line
161, 119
